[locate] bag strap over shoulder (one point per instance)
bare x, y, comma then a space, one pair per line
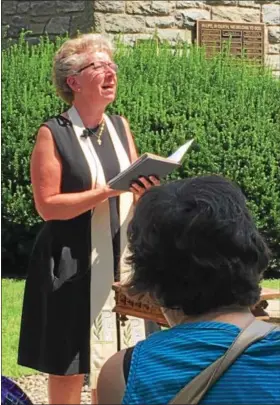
195, 390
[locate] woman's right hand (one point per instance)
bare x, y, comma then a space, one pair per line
110, 192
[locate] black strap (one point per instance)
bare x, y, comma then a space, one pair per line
127, 362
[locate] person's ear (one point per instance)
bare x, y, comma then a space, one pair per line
73, 83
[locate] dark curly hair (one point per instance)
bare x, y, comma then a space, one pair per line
194, 246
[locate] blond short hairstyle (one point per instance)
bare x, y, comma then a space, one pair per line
71, 56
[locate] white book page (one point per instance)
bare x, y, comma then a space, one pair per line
178, 155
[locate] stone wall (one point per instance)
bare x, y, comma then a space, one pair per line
52, 17
139, 19
176, 19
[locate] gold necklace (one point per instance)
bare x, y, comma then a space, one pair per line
100, 133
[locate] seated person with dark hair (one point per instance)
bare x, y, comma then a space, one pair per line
196, 250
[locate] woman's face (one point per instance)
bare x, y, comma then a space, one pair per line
96, 80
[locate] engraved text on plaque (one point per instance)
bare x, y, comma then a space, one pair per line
243, 38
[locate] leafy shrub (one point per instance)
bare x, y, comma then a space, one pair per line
168, 95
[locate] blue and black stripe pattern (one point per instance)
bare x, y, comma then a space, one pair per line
164, 363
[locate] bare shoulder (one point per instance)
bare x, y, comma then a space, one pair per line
44, 135
111, 375
45, 147
126, 124
124, 120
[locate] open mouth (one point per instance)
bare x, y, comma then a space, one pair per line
108, 87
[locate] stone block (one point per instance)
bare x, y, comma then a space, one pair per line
267, 1
274, 49
130, 39
43, 8
5, 20
37, 28
188, 18
58, 25
109, 6
172, 5
127, 39
120, 23
40, 19
139, 7
160, 22
9, 7
4, 30
19, 21
190, 4
69, 5
23, 7
222, 2
99, 22
252, 4
160, 7
17, 24
271, 13
174, 35
273, 61
149, 7
33, 40
274, 35
82, 23
236, 14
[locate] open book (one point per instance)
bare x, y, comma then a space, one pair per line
149, 165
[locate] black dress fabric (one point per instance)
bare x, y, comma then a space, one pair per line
55, 327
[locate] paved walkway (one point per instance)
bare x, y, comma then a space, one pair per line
36, 387
274, 308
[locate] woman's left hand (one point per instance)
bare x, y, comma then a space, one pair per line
138, 190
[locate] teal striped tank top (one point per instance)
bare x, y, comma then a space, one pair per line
166, 361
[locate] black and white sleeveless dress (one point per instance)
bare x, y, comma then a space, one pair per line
68, 326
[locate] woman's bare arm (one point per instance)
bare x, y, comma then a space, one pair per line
111, 382
46, 172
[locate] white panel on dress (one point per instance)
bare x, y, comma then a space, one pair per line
104, 335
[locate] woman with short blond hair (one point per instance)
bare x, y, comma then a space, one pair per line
68, 328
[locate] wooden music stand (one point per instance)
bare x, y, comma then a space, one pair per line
259, 309
146, 309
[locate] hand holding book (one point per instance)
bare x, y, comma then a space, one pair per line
143, 184
149, 165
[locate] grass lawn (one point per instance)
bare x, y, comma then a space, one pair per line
271, 284
12, 295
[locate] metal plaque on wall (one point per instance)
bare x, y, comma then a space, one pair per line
243, 38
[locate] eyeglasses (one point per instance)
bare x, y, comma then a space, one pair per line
100, 66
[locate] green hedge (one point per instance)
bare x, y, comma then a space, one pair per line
168, 95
